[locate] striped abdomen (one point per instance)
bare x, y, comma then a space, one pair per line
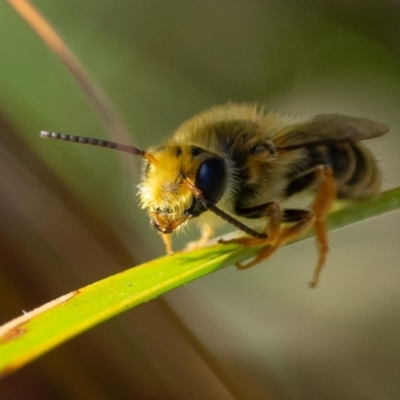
355, 169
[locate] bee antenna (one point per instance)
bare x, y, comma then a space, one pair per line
209, 205
233, 221
100, 142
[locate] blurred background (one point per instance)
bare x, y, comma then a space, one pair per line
69, 214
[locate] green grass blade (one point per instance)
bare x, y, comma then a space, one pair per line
34, 333
358, 211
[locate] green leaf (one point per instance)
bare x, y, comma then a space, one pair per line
29, 336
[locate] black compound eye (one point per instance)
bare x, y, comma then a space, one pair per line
211, 179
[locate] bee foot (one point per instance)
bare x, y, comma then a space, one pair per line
196, 244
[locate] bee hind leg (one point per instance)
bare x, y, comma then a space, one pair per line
315, 218
301, 220
322, 204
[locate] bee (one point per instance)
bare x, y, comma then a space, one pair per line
239, 164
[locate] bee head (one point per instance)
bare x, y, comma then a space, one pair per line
174, 189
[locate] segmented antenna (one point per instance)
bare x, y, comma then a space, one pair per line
233, 221
99, 142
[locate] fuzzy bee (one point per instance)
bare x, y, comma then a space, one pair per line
242, 165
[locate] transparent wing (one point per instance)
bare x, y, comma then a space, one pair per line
328, 128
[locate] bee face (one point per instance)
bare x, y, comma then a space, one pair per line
166, 192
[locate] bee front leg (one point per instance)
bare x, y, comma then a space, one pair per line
166, 238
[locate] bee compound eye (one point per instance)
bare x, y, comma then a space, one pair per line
211, 179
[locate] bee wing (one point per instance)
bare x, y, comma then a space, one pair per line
328, 128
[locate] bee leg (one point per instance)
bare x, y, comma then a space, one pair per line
206, 234
304, 220
271, 243
167, 239
274, 213
322, 203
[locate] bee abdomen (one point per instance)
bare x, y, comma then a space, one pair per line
355, 170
